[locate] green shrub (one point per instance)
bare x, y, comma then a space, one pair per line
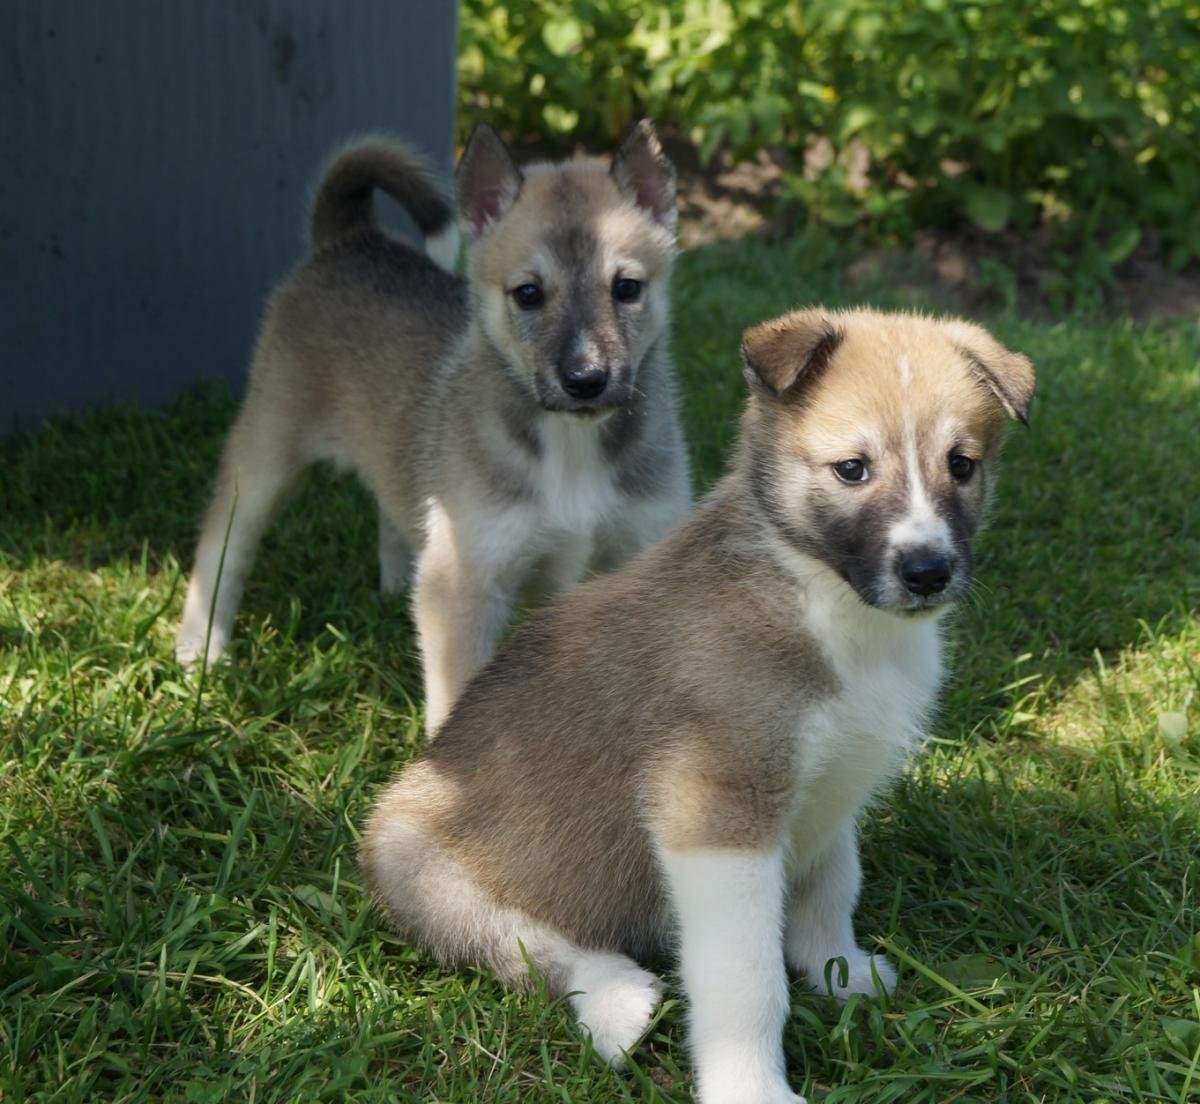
1082, 114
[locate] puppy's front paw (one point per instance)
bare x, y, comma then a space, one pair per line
189, 647
615, 1004
859, 978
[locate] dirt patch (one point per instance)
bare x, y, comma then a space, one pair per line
969, 271
963, 270
725, 199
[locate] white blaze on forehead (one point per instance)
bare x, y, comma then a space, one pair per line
921, 525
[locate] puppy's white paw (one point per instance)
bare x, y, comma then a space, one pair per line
859, 978
189, 647
614, 1002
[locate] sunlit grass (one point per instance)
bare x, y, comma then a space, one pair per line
180, 913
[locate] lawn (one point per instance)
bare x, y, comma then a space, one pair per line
181, 917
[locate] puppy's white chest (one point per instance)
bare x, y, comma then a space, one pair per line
849, 744
574, 480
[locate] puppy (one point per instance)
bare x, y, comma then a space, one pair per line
517, 427
676, 755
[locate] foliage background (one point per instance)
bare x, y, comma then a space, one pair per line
1077, 116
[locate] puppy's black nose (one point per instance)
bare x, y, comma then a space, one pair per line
584, 381
924, 572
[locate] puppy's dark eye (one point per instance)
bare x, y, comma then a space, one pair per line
961, 467
626, 290
852, 471
529, 296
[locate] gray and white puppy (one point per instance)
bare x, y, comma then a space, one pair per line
517, 427
675, 756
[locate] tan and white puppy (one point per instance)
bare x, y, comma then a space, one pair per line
676, 755
517, 427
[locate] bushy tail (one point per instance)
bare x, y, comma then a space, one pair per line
343, 201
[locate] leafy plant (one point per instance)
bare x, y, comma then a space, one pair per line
1080, 115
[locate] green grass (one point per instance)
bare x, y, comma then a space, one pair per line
180, 913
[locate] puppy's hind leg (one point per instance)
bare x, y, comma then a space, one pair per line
434, 901
613, 998
820, 924
259, 463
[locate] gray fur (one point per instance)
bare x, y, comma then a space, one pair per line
441, 394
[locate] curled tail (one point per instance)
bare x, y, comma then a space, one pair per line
343, 201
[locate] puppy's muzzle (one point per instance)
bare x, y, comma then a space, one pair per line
584, 381
925, 572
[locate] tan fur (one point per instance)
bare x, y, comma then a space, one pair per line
658, 693
869, 391
556, 790
695, 702
441, 394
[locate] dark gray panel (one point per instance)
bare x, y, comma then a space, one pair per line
155, 162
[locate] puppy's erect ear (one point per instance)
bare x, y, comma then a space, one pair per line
488, 180
1008, 375
784, 356
644, 172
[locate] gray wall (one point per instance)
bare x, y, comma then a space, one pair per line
155, 161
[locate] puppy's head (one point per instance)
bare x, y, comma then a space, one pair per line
873, 440
569, 265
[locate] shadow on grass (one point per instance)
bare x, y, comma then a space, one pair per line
124, 488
